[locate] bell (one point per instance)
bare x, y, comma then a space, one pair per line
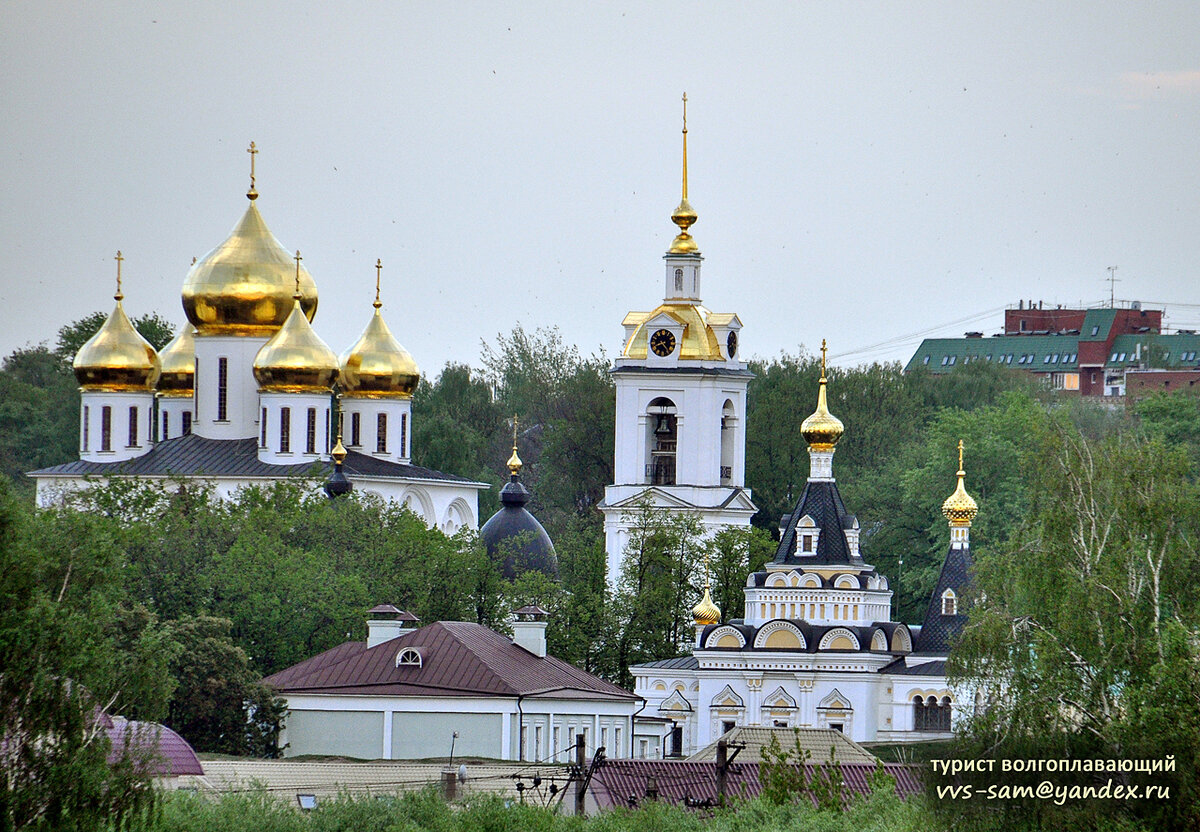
663, 428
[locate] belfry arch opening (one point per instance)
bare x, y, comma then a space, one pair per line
728, 431
662, 440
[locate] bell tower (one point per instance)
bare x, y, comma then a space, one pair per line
680, 438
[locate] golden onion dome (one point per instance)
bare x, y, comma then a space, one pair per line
244, 286
684, 217
960, 508
377, 367
699, 342
117, 358
295, 360
706, 611
822, 429
178, 360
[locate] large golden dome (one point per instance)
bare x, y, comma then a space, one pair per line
706, 612
117, 358
244, 286
822, 429
178, 360
295, 360
699, 342
960, 508
377, 367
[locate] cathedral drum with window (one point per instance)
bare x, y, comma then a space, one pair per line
816, 645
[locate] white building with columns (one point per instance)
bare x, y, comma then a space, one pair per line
246, 394
815, 646
680, 439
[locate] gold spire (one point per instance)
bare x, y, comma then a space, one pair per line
376, 366
685, 215
514, 461
252, 194
296, 360
822, 429
960, 508
339, 450
117, 358
706, 612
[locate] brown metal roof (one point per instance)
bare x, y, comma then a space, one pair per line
623, 782
458, 658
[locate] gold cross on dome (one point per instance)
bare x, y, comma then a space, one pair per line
120, 259
297, 258
378, 269
960, 454
514, 431
253, 151
824, 349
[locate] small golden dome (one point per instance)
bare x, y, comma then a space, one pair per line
244, 285
339, 452
684, 217
178, 360
960, 508
117, 358
822, 429
295, 360
706, 611
514, 463
377, 367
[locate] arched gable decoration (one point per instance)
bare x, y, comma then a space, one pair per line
777, 579
727, 700
846, 582
780, 635
779, 700
675, 703
949, 603
725, 636
408, 657
879, 641
418, 501
835, 701
811, 580
901, 640
458, 516
839, 638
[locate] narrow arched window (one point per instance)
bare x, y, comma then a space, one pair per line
679, 280
949, 603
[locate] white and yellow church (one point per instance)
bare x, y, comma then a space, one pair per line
244, 394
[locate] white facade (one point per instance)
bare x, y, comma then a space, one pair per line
380, 427
115, 426
226, 392
294, 427
175, 416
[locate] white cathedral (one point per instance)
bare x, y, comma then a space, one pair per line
244, 393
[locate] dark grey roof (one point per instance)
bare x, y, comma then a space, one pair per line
813, 633
937, 630
196, 456
681, 663
898, 668
515, 534
821, 501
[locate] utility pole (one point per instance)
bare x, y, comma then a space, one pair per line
722, 770
582, 783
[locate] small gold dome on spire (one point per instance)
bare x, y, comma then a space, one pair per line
178, 360
514, 462
117, 357
706, 612
822, 429
376, 366
960, 508
684, 216
244, 285
296, 360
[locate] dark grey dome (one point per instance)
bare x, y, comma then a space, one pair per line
515, 535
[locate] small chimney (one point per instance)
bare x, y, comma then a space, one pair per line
386, 622
529, 629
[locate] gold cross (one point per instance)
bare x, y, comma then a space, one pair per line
253, 151
960, 450
378, 269
685, 176
119, 260
514, 431
823, 348
297, 258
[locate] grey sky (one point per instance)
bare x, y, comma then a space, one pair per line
861, 171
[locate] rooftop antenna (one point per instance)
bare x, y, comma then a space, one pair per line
1112, 286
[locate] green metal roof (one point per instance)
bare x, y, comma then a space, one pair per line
1098, 320
1055, 353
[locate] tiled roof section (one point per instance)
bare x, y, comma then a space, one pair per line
196, 456
899, 668
937, 630
1099, 319
1052, 353
821, 501
623, 782
681, 663
818, 742
170, 754
458, 658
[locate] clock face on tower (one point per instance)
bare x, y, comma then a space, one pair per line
731, 344
662, 342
